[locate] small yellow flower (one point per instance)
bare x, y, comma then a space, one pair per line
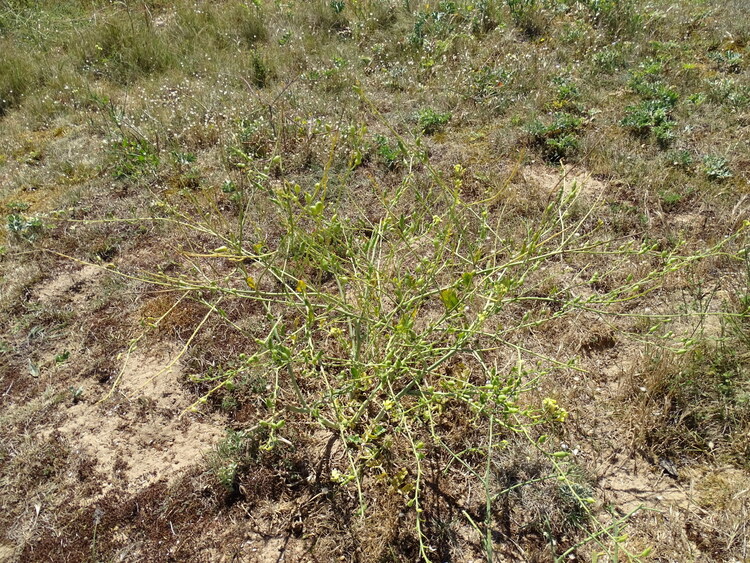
553, 410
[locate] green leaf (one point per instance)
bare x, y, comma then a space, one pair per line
61, 358
449, 299
467, 279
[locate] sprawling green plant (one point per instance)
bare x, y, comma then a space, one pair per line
382, 331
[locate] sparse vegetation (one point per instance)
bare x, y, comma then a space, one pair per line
418, 280
698, 401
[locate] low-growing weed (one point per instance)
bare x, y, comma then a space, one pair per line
681, 158
62, 357
671, 199
567, 98
254, 451
237, 449
489, 83
728, 61
388, 151
76, 394
26, 228
431, 121
557, 138
716, 167
609, 58
646, 81
728, 91
185, 174
651, 117
133, 158
438, 23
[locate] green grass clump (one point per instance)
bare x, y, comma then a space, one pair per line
621, 18
124, 50
528, 16
18, 75
239, 24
